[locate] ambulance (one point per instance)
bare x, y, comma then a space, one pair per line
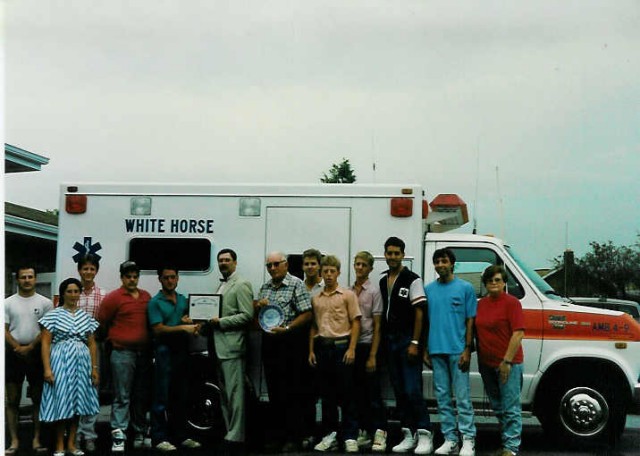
582, 365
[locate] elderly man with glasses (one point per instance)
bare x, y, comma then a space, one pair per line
284, 351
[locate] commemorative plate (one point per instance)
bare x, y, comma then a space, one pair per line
270, 316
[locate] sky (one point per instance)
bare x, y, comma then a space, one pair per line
529, 110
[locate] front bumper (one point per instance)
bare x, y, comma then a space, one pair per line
636, 398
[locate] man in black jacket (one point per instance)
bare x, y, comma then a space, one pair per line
404, 309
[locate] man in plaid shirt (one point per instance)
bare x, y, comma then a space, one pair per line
284, 351
92, 294
90, 299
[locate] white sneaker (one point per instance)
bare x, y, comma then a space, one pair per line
117, 441
190, 444
138, 441
425, 442
379, 441
448, 447
166, 446
468, 447
146, 442
351, 446
408, 442
117, 446
328, 443
364, 439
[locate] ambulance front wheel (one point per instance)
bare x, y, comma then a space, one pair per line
204, 414
579, 410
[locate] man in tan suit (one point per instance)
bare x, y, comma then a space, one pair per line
230, 345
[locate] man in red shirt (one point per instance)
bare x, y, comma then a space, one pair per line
123, 312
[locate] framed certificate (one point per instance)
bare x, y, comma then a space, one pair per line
204, 306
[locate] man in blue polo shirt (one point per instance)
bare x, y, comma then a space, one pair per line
452, 310
171, 326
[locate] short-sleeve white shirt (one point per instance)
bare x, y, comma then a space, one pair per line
22, 315
316, 289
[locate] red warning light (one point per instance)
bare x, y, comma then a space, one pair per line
76, 204
401, 207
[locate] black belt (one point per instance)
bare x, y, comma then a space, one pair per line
329, 341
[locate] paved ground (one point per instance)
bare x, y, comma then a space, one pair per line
534, 441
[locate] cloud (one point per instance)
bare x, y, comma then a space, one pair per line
433, 92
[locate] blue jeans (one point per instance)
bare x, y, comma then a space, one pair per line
170, 386
406, 378
505, 402
131, 372
447, 376
336, 386
87, 427
87, 424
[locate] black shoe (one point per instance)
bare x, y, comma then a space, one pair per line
272, 447
289, 447
232, 448
308, 443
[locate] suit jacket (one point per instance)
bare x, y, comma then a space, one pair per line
237, 313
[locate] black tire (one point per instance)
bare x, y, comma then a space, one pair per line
583, 411
204, 414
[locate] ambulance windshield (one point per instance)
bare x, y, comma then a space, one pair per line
538, 281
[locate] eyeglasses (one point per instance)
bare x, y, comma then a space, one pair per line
275, 264
495, 280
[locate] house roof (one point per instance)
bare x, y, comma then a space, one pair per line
18, 160
25, 220
552, 272
30, 222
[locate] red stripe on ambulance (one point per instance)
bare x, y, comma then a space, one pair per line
573, 325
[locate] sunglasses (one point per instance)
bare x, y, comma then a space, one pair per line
274, 264
495, 280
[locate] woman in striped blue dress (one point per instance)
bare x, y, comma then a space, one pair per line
70, 362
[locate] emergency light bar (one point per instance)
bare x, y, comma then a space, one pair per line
448, 212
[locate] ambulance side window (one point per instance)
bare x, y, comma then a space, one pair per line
187, 254
295, 265
471, 262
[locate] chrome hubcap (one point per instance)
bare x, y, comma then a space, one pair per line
584, 411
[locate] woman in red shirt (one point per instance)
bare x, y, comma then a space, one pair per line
499, 331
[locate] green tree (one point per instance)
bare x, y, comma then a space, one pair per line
614, 268
340, 173
606, 270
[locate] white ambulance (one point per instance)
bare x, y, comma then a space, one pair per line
582, 365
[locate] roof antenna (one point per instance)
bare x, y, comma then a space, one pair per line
373, 155
475, 202
500, 203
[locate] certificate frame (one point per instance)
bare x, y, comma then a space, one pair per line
204, 307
